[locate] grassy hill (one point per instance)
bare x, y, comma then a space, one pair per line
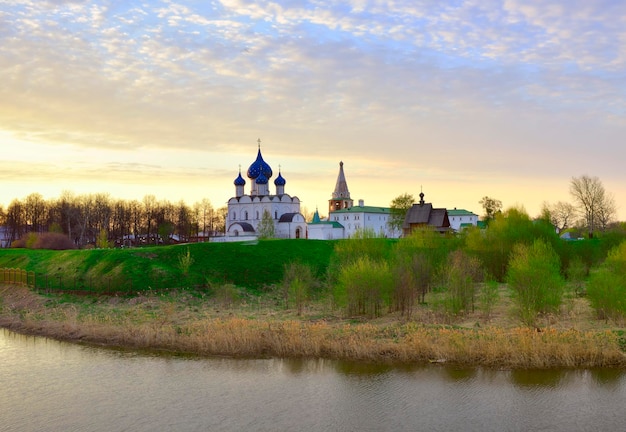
250, 265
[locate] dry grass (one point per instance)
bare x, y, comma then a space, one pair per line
182, 323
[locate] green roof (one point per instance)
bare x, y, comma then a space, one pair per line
363, 209
335, 224
460, 212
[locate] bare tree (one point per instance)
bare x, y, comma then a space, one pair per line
149, 213
183, 221
220, 216
34, 211
560, 214
606, 212
86, 204
593, 203
15, 219
204, 216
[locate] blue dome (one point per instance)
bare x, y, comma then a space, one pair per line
258, 167
239, 181
261, 179
280, 181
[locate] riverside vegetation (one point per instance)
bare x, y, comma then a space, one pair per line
513, 295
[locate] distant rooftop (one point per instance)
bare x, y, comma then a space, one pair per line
364, 209
460, 212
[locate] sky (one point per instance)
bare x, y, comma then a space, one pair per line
458, 99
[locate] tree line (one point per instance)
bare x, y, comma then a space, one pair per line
99, 219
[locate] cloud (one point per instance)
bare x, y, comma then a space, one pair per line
509, 86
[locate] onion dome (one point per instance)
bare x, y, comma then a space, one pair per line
258, 167
239, 181
280, 181
261, 179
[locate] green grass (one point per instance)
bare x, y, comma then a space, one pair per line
249, 265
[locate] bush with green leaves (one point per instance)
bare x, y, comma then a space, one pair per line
459, 276
535, 279
489, 295
364, 287
576, 273
226, 295
266, 227
364, 243
184, 262
494, 245
415, 261
297, 283
413, 275
606, 288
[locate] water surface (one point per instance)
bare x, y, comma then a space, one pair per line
52, 386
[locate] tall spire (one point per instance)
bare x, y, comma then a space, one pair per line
341, 188
341, 196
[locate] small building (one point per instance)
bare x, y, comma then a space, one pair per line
362, 217
423, 215
460, 218
324, 229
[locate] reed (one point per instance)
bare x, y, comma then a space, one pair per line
165, 325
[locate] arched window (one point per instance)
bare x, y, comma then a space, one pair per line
257, 215
276, 214
234, 215
245, 215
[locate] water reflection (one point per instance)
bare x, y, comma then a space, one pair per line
459, 374
607, 377
550, 378
46, 385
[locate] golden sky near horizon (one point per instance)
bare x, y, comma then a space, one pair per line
505, 98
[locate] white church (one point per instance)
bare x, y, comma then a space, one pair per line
245, 211
345, 219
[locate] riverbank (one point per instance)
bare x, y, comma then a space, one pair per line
187, 323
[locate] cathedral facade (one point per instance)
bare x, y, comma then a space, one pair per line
246, 210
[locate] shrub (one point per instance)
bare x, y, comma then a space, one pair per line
364, 287
535, 278
184, 262
227, 295
364, 243
48, 240
459, 277
102, 241
576, 272
54, 241
606, 288
416, 259
495, 244
412, 278
489, 295
297, 282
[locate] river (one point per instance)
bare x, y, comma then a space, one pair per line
47, 385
